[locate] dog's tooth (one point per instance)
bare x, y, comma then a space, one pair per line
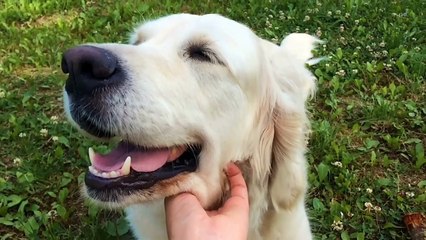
93, 170
113, 174
125, 169
105, 175
91, 155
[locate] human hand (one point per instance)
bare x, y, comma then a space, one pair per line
186, 218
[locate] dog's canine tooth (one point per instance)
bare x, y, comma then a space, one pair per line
93, 170
125, 169
91, 155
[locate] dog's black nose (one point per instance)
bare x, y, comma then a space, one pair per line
89, 68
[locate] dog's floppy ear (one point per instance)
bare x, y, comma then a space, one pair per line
293, 84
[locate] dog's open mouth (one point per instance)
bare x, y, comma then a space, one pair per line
131, 167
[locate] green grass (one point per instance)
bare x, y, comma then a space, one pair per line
368, 116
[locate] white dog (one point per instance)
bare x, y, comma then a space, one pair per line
188, 95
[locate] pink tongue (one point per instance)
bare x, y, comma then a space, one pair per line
147, 160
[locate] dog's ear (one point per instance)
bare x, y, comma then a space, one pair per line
293, 84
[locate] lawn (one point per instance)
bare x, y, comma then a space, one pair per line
367, 165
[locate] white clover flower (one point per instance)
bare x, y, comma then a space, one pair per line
338, 12
52, 213
341, 73
44, 132
417, 49
377, 55
337, 225
54, 119
337, 164
354, 71
382, 44
17, 161
307, 18
350, 214
356, 22
347, 15
318, 33
268, 23
55, 138
342, 28
369, 190
329, 13
22, 134
2, 93
377, 209
410, 194
368, 206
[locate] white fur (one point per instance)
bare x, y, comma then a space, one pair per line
250, 108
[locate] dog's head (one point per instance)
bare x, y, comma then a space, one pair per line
186, 96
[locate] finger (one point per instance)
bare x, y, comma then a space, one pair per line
237, 206
181, 200
181, 204
237, 183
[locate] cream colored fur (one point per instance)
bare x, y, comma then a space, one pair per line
250, 108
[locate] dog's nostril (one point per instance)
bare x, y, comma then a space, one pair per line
89, 61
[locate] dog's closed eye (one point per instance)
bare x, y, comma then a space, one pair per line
200, 51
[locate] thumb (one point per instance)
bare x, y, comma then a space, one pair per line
237, 206
181, 205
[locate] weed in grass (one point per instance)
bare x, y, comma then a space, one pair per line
367, 158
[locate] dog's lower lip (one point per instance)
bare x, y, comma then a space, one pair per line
144, 180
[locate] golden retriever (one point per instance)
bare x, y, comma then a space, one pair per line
185, 97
